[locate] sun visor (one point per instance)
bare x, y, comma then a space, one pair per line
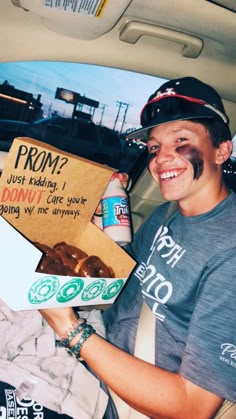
78, 19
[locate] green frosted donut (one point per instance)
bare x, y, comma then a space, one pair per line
43, 289
113, 289
93, 290
70, 290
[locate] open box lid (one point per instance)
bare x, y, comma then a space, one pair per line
44, 190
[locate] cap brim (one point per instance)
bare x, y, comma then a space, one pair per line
142, 133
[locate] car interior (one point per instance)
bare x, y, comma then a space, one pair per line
156, 39
164, 39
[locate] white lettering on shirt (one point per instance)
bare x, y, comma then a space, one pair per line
155, 286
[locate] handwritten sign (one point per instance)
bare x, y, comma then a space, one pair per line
46, 189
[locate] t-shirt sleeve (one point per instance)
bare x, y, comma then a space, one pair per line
209, 358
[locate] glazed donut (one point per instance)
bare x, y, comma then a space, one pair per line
51, 262
67, 260
93, 266
48, 251
49, 265
69, 254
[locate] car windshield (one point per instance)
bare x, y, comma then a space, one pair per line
83, 109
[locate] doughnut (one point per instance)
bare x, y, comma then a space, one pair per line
93, 290
67, 260
69, 254
112, 289
70, 290
43, 289
93, 266
50, 262
48, 251
50, 266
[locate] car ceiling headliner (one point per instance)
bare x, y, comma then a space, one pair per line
26, 36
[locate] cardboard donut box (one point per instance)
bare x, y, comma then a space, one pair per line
49, 196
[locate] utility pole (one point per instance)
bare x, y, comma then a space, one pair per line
120, 105
118, 113
103, 109
124, 117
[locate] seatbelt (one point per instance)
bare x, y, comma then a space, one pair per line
144, 344
145, 333
226, 411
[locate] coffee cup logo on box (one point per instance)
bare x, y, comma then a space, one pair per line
49, 197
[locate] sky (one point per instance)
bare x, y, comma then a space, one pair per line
107, 86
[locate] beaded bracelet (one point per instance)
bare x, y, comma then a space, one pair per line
72, 331
88, 330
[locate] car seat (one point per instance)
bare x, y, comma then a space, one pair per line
226, 411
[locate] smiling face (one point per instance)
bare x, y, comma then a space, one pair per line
183, 161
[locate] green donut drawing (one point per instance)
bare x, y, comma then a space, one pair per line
43, 289
93, 290
70, 290
112, 289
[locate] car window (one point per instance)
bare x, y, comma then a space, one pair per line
83, 109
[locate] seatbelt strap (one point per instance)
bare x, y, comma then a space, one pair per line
144, 344
144, 349
227, 411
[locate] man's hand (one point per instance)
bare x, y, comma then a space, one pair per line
124, 179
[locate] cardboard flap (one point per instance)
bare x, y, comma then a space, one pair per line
44, 191
94, 241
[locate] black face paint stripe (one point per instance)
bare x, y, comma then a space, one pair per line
194, 156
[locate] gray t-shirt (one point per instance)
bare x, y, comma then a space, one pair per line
186, 274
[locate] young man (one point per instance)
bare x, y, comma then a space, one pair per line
185, 269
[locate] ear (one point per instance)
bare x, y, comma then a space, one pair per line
223, 151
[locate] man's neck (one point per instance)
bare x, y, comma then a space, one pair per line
202, 204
